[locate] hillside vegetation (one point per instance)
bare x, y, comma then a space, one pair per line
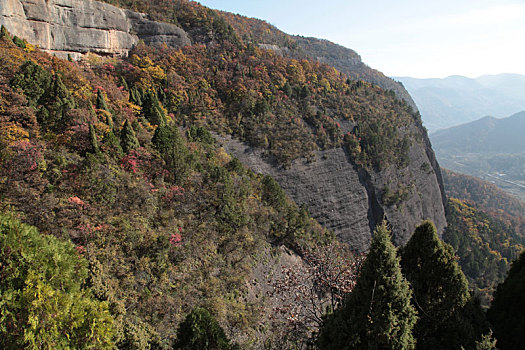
166, 241
485, 227
115, 156
157, 211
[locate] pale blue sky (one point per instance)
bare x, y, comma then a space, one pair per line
406, 37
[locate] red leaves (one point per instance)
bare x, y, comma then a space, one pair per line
172, 193
176, 239
77, 201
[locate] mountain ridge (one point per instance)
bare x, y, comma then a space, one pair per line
456, 100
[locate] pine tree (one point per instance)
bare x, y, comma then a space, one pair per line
101, 101
378, 313
93, 139
152, 109
440, 290
507, 312
200, 330
128, 140
4, 33
170, 144
56, 102
123, 83
33, 80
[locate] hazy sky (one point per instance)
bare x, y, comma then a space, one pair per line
406, 37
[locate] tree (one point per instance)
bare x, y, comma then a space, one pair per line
33, 80
378, 313
507, 312
43, 304
128, 140
93, 139
152, 109
101, 101
273, 194
306, 291
170, 144
200, 330
440, 290
56, 102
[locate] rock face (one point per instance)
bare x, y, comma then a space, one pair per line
80, 26
350, 202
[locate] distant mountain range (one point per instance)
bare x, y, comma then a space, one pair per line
489, 148
485, 135
456, 99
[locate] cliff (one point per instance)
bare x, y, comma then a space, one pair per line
350, 201
79, 26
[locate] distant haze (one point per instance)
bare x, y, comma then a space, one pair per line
489, 148
457, 100
407, 37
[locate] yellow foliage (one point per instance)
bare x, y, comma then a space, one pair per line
101, 128
296, 72
134, 108
222, 157
29, 47
11, 133
156, 72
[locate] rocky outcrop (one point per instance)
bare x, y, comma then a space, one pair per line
79, 26
330, 187
351, 201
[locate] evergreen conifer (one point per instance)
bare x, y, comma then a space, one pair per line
200, 330
507, 312
377, 314
440, 290
93, 139
128, 140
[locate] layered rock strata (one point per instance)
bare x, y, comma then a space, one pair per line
76, 27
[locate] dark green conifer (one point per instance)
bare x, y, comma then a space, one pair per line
56, 102
135, 96
19, 42
199, 331
33, 80
111, 144
377, 314
128, 139
440, 290
4, 34
507, 312
172, 148
152, 110
123, 83
101, 101
109, 121
93, 139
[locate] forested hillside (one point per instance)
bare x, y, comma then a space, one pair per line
485, 227
114, 155
165, 239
